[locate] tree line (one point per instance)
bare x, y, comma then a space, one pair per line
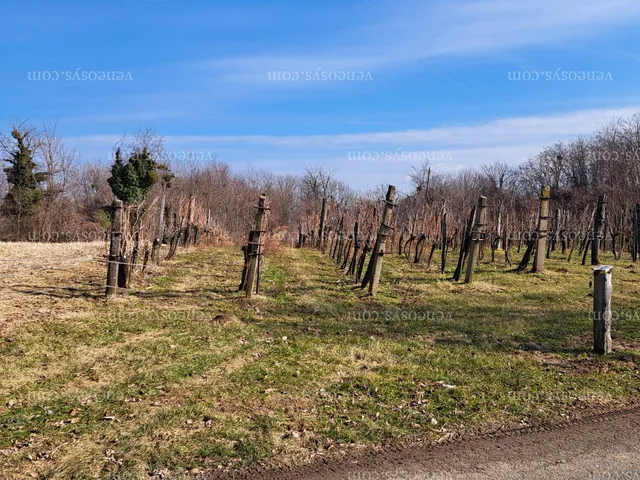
46, 187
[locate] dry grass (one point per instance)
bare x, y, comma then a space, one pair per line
185, 375
37, 274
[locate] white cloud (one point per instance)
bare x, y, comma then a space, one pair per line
423, 31
449, 148
517, 130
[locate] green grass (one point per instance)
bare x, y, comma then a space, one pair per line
152, 383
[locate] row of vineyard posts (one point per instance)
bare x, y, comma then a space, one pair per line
350, 253
136, 242
351, 249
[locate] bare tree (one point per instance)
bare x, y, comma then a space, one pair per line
58, 162
318, 181
498, 181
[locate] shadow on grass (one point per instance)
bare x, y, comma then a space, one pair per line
562, 332
62, 293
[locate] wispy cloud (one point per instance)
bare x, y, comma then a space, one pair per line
498, 131
423, 31
397, 36
449, 148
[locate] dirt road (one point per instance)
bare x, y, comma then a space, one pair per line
601, 448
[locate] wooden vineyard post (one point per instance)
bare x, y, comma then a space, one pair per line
443, 259
506, 242
633, 242
464, 245
381, 241
327, 236
190, 214
255, 247
299, 244
598, 230
259, 259
584, 246
157, 242
323, 212
554, 238
245, 266
161, 219
336, 245
363, 257
602, 290
347, 252
114, 248
541, 233
356, 247
636, 230
474, 240
173, 244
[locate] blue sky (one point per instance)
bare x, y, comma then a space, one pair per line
436, 78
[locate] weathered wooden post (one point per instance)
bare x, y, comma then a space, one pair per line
475, 239
299, 244
323, 212
363, 257
541, 233
326, 240
443, 228
417, 256
404, 230
255, 247
245, 266
341, 246
187, 230
506, 243
157, 242
331, 241
556, 227
633, 242
337, 247
383, 233
260, 260
464, 245
114, 248
347, 252
356, 247
636, 245
173, 245
602, 291
598, 230
196, 234
584, 244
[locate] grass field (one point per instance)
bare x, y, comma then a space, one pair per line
186, 376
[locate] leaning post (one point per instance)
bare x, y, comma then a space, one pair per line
475, 239
443, 229
323, 211
464, 244
602, 290
255, 247
637, 232
114, 248
383, 233
543, 227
